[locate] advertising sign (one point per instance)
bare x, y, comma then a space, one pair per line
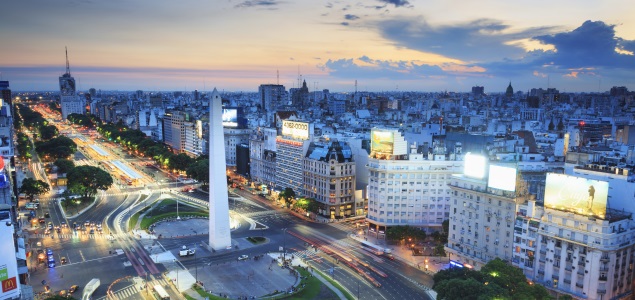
230, 117
382, 141
502, 177
475, 166
576, 194
9, 284
299, 130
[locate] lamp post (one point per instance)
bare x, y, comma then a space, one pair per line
284, 244
196, 266
177, 275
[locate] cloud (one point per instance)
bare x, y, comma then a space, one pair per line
396, 3
366, 67
593, 44
478, 40
351, 17
267, 4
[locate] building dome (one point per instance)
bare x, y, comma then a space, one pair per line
510, 90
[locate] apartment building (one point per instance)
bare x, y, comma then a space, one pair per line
329, 178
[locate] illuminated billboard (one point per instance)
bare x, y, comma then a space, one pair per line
502, 178
8, 266
382, 141
474, 166
299, 130
576, 194
230, 117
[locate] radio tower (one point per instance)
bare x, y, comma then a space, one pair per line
68, 65
278, 77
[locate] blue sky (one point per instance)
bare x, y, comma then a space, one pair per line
383, 44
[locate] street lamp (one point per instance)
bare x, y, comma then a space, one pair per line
284, 244
177, 275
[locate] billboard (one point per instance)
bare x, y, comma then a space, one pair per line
230, 117
382, 141
299, 130
8, 265
474, 166
502, 178
576, 194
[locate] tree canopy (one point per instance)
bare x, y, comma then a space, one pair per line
64, 165
199, 171
86, 180
59, 147
31, 187
496, 279
287, 194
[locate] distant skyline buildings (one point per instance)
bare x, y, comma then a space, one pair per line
383, 45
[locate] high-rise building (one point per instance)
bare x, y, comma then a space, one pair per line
291, 147
407, 188
576, 244
70, 102
329, 178
194, 140
262, 156
272, 96
174, 129
233, 137
483, 210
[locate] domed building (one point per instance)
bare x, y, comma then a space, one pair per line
510, 90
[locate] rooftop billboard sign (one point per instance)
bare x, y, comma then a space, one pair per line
576, 194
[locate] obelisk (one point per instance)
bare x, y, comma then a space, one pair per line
219, 229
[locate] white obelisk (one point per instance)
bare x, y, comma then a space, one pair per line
219, 229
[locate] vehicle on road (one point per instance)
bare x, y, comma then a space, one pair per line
63, 260
49, 251
42, 220
370, 247
186, 252
47, 215
243, 257
160, 293
73, 289
64, 293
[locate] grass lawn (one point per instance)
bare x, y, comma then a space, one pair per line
167, 209
133, 220
203, 293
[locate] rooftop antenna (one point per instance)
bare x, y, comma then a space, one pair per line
548, 81
356, 86
278, 77
68, 66
299, 77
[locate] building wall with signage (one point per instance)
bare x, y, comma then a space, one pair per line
289, 163
8, 263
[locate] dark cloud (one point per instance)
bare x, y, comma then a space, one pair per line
589, 50
479, 40
366, 67
593, 44
267, 4
396, 3
351, 17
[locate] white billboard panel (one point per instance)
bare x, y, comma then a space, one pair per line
502, 177
474, 166
299, 130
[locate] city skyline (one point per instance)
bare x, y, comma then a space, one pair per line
386, 45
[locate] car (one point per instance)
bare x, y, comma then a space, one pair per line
47, 231
73, 289
50, 225
87, 223
58, 230
92, 231
39, 244
51, 264
63, 260
64, 224
49, 251
47, 289
42, 220
243, 257
63, 293
47, 215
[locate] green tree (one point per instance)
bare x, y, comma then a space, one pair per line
64, 165
180, 162
31, 187
288, 195
48, 132
439, 250
199, 171
86, 180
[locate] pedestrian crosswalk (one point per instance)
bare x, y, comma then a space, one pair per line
306, 254
124, 293
260, 213
81, 236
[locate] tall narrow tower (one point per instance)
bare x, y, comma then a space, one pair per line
219, 231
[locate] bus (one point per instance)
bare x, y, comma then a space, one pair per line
370, 247
160, 293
